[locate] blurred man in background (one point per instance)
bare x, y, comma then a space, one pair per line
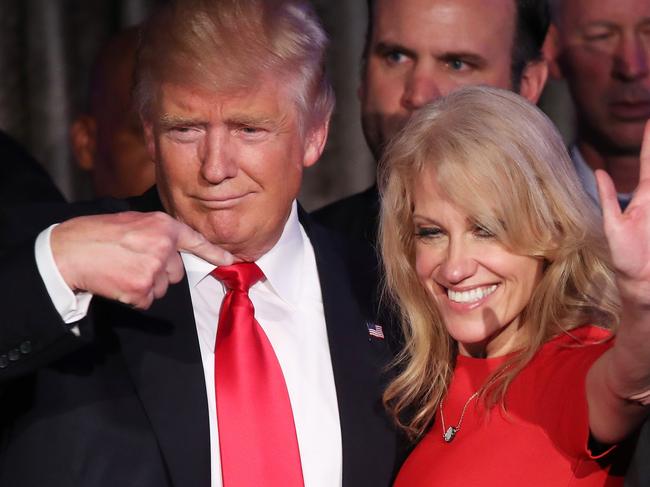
107, 140
602, 49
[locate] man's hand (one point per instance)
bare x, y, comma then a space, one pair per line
129, 257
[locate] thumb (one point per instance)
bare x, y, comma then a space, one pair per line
607, 195
193, 242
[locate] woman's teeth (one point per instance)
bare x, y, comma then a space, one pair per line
471, 296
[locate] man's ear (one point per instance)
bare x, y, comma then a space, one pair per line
533, 80
315, 142
149, 138
552, 51
83, 139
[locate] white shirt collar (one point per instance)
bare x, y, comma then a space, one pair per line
282, 265
585, 173
587, 176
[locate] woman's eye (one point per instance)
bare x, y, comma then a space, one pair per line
482, 232
428, 232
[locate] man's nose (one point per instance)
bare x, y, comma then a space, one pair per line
421, 87
459, 263
218, 158
631, 58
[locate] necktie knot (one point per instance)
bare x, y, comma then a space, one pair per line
239, 277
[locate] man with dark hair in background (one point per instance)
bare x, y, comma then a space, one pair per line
107, 139
602, 49
419, 50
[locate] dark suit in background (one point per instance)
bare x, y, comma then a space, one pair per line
356, 216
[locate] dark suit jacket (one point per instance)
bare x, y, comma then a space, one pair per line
22, 179
356, 216
638, 474
125, 404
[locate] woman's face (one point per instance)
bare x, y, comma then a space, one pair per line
479, 286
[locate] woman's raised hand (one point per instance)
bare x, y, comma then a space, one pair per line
628, 232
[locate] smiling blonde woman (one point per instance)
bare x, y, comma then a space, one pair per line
510, 288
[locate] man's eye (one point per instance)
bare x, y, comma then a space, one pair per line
457, 65
395, 57
598, 37
599, 34
428, 232
251, 131
184, 134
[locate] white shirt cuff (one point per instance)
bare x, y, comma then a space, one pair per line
71, 307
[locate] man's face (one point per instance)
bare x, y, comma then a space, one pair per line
423, 49
230, 164
122, 166
604, 55
108, 141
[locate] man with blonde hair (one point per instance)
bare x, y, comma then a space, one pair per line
265, 372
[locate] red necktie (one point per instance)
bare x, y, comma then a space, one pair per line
257, 435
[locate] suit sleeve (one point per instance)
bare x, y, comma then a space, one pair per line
32, 333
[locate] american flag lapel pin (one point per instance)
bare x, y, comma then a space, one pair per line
375, 330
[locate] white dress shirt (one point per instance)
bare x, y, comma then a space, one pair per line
289, 308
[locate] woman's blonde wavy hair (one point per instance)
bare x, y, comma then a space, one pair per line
501, 160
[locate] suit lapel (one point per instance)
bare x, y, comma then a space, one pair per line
162, 353
358, 360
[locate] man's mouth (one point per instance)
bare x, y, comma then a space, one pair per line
223, 201
630, 110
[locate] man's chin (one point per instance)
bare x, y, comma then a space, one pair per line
377, 133
625, 139
616, 139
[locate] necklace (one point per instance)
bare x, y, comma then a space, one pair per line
448, 434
